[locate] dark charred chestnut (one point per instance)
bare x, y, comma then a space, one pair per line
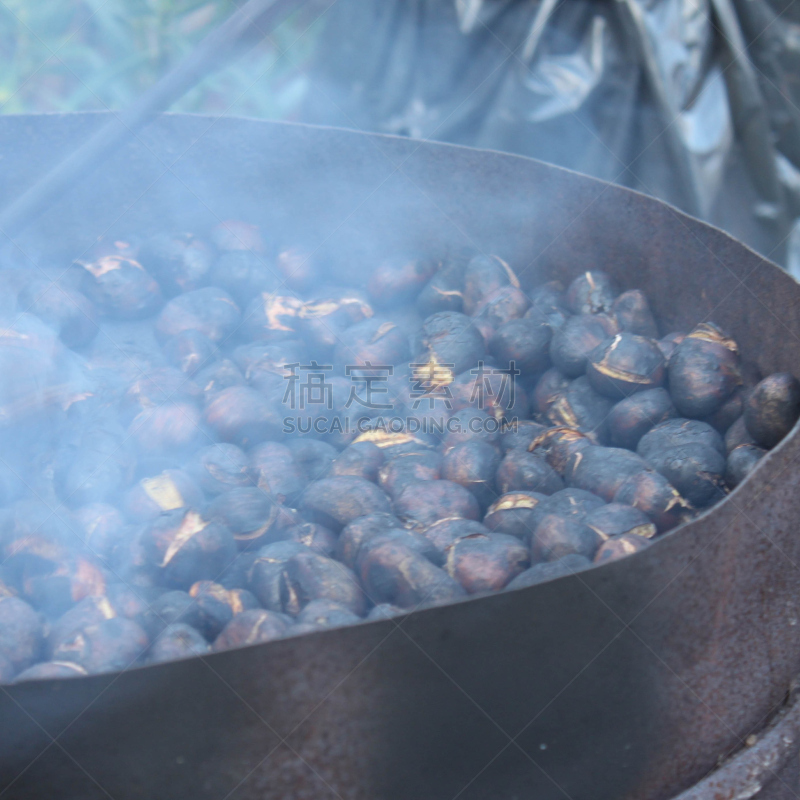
473, 465
653, 494
737, 434
249, 513
632, 312
111, 645
548, 298
525, 342
359, 531
334, 502
326, 614
695, 470
177, 641
772, 408
729, 411
443, 292
252, 627
218, 376
486, 562
633, 417
234, 234
121, 288
678, 432
180, 262
243, 274
602, 470
583, 409
515, 513
620, 547
526, 472
393, 573
494, 391
216, 606
67, 311
625, 364
703, 371
100, 527
315, 457
220, 467
549, 388
501, 306
444, 533
453, 341
418, 542
55, 591
548, 570
669, 344
572, 503
150, 497
309, 576
557, 445
276, 472
576, 339
242, 415
374, 342
49, 670
21, 634
210, 311
267, 569
591, 293
182, 548
484, 275
421, 504
399, 279
742, 460
361, 459
315, 537
168, 609
519, 435
190, 351
616, 519
323, 321
556, 537
167, 428
407, 468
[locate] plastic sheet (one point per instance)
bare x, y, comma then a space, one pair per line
694, 101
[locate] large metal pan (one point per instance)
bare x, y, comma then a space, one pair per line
629, 680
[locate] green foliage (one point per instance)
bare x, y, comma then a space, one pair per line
70, 55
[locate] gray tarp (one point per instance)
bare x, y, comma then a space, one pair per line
694, 101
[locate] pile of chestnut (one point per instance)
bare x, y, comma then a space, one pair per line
153, 507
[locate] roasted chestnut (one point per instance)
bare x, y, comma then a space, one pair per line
220, 467
486, 562
334, 502
556, 537
602, 470
266, 571
737, 434
632, 312
121, 287
69, 312
523, 342
516, 513
111, 645
678, 432
526, 472
216, 606
557, 445
620, 547
772, 408
633, 417
393, 573
210, 311
21, 634
625, 364
473, 465
309, 576
484, 275
315, 537
582, 408
444, 533
591, 293
249, 512
177, 641
399, 279
361, 530
452, 340
576, 339
277, 473
180, 262
190, 351
243, 274
321, 614
151, 496
695, 470
501, 306
742, 460
252, 627
616, 519
703, 371
421, 504
653, 494
361, 459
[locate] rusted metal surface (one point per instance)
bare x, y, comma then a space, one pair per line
630, 680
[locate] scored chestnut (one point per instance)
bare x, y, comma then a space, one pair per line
591, 293
523, 471
252, 627
515, 513
602, 470
309, 576
695, 470
632, 310
616, 519
486, 562
277, 473
177, 641
359, 531
484, 275
625, 364
473, 465
582, 408
556, 537
653, 494
557, 445
576, 339
179, 261
361, 459
334, 502
631, 418
620, 547
421, 504
523, 342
